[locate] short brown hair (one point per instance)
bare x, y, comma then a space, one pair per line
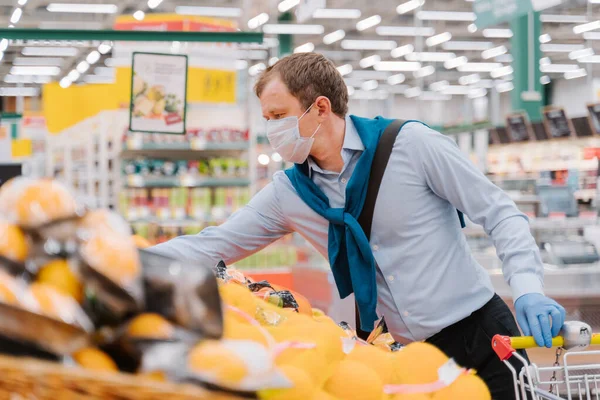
308, 76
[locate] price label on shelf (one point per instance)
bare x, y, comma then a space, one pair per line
188, 181
135, 180
198, 144
135, 142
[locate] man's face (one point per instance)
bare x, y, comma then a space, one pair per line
277, 102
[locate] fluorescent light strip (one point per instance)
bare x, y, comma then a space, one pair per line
396, 79
20, 92
41, 79
334, 36
544, 80
257, 21
497, 33
479, 67
545, 61
272, 61
82, 8
305, 48
430, 57
104, 48
446, 16
467, 45
484, 83
344, 69
398, 66
438, 39
505, 87
434, 96
439, 86
456, 90
22, 2
425, 71
337, 13
16, 16
558, 68
560, 48
469, 79
563, 19
590, 26
413, 92
591, 36
505, 58
494, 52
287, 5
404, 31
256, 69
93, 57
152, 4
368, 22
477, 93
368, 44
29, 70
577, 54
502, 71
590, 60
293, 29
65, 82
545, 38
3, 44
224, 12
409, 6
456, 62
31, 61
139, 15
402, 50
578, 73
369, 61
472, 28
367, 75
370, 85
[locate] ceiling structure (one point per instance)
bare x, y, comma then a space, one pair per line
419, 48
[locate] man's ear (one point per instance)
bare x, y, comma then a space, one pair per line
323, 106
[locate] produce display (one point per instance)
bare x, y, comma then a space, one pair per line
77, 288
218, 167
194, 138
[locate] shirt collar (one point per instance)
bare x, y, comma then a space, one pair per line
352, 142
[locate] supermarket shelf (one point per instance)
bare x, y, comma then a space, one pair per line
138, 181
583, 165
543, 224
185, 151
170, 222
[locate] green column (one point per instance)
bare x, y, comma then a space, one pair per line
285, 41
524, 80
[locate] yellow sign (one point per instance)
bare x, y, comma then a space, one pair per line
211, 86
21, 148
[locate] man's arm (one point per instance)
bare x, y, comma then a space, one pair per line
247, 231
452, 176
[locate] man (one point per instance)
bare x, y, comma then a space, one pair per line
417, 269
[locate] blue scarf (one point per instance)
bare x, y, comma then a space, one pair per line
352, 261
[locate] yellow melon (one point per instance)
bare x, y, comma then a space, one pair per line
353, 380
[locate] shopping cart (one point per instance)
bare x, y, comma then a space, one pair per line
577, 378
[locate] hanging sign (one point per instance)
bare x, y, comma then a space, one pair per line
594, 117
556, 122
519, 127
158, 93
494, 12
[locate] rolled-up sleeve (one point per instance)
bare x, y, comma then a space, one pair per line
452, 176
247, 231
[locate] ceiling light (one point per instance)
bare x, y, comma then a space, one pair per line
344, 69
139, 15
257, 69
305, 48
590, 60
396, 79
560, 48
545, 79
494, 52
446, 16
370, 85
497, 33
47, 61
368, 44
239, 65
456, 62
545, 38
456, 90
502, 71
37, 79
409, 6
479, 67
343, 55
368, 74
287, 5
467, 80
467, 46
563, 18
82, 67
413, 92
433, 96
3, 44
505, 58
104, 48
402, 50
50, 51
273, 61
425, 71
82, 8
152, 4
430, 56
477, 93
472, 28
16, 15
577, 54
293, 29
369, 61
19, 91
368, 22
34, 70
257, 21
545, 61
578, 73
22, 2
404, 31
351, 90
591, 36
93, 57
439, 86
484, 83
334, 36
337, 13
224, 12
438, 39
397, 66
590, 26
558, 68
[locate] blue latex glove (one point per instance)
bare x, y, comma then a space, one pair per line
533, 310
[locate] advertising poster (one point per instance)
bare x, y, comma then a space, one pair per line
158, 93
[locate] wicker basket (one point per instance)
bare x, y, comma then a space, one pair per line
40, 380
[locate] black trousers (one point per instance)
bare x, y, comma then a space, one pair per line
469, 342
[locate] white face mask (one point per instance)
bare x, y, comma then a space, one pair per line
284, 136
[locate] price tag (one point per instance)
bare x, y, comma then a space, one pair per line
198, 144
135, 180
188, 181
135, 142
449, 372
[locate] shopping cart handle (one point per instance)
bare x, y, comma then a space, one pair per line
505, 346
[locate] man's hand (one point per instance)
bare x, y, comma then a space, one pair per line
533, 310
